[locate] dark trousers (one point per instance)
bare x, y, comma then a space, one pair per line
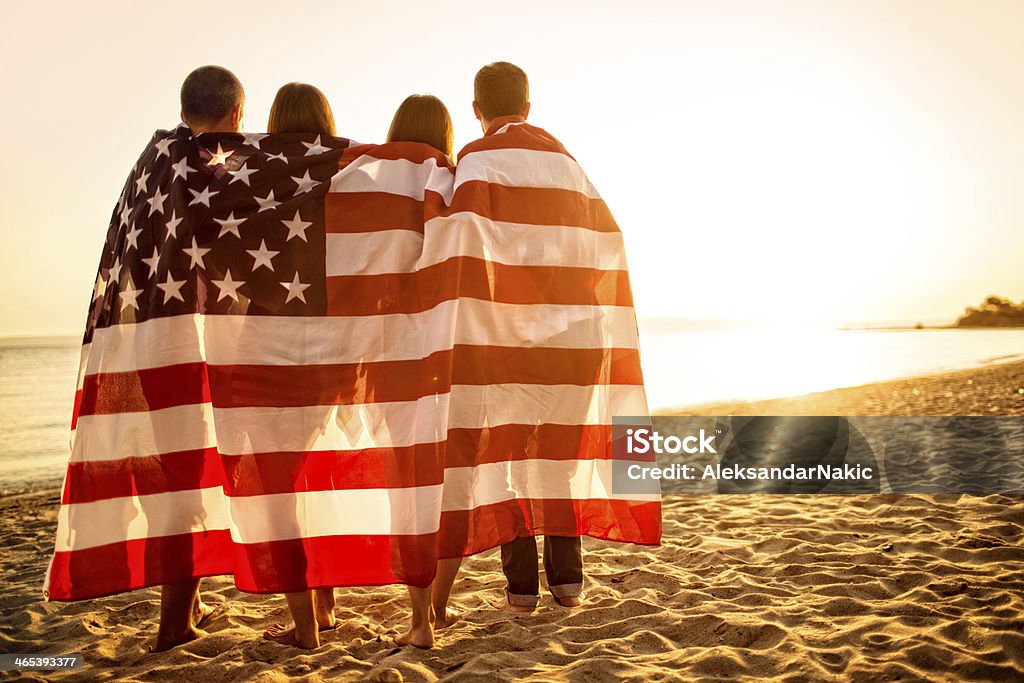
563, 565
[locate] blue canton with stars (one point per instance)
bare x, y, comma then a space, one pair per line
219, 223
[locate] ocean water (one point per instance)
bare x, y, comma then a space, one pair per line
683, 365
37, 392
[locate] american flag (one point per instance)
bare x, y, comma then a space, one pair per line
311, 363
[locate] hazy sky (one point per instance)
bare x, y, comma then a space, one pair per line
830, 161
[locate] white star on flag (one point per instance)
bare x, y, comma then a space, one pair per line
253, 139
296, 227
295, 289
156, 202
228, 287
267, 203
171, 288
132, 238
163, 148
315, 147
141, 183
172, 225
242, 174
182, 169
115, 271
279, 157
219, 157
100, 288
202, 197
152, 262
130, 296
196, 253
263, 256
126, 215
305, 183
229, 225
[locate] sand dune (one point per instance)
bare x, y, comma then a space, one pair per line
796, 588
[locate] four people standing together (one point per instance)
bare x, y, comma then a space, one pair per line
535, 352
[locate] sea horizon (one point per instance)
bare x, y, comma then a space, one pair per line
685, 363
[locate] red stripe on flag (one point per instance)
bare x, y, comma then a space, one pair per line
76, 409
142, 475
125, 566
300, 471
324, 561
239, 386
416, 152
254, 474
150, 389
474, 278
516, 137
533, 205
371, 468
468, 532
348, 212
283, 565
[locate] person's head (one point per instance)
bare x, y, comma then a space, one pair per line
423, 118
300, 108
500, 89
212, 101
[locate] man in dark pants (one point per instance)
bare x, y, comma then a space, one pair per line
501, 96
563, 566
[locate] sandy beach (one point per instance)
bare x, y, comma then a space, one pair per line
992, 390
860, 588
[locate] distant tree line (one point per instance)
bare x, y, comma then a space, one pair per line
994, 312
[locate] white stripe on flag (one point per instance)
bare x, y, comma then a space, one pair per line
277, 517
489, 405
468, 487
467, 234
524, 168
242, 431
394, 176
88, 525
352, 512
270, 340
126, 435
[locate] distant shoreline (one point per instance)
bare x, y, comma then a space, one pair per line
40, 341
995, 389
915, 328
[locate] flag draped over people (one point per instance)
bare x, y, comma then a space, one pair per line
309, 363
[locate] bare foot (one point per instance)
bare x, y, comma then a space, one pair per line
200, 612
323, 609
421, 637
444, 619
166, 641
279, 633
509, 607
326, 621
570, 601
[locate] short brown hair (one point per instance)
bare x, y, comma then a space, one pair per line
209, 94
300, 108
423, 118
501, 89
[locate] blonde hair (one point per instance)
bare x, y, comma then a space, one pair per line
423, 118
300, 108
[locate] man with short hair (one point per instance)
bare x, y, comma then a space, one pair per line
500, 91
212, 101
501, 99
